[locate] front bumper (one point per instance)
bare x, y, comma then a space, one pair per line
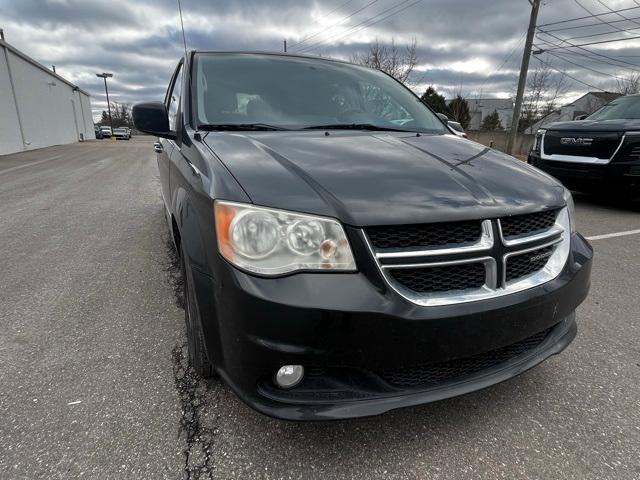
352, 327
587, 176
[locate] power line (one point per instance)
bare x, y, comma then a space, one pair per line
596, 59
504, 62
295, 45
585, 67
567, 75
595, 24
369, 23
597, 18
616, 12
587, 17
596, 43
351, 29
590, 52
601, 34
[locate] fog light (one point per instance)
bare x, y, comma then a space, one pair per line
289, 376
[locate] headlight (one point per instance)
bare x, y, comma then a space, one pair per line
568, 198
537, 140
274, 242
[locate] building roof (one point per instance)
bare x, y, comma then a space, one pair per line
606, 96
30, 60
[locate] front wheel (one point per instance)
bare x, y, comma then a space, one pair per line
198, 357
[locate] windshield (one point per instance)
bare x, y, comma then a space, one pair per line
620, 108
296, 93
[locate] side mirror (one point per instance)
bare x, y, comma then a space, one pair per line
157, 147
152, 118
443, 117
580, 117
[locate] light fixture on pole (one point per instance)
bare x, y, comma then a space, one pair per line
104, 76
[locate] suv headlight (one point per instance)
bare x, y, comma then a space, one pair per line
568, 198
537, 140
274, 242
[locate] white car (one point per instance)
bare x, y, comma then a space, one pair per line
106, 132
122, 133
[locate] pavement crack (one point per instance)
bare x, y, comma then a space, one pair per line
192, 390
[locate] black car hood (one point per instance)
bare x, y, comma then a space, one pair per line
617, 125
382, 178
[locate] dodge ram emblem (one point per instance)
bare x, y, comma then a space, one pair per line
576, 141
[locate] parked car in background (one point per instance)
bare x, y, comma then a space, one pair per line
122, 133
106, 131
343, 254
455, 127
98, 132
599, 153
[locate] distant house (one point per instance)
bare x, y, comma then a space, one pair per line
479, 108
585, 105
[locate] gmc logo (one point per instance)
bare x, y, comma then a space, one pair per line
576, 141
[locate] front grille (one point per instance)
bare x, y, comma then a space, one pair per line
441, 279
418, 376
425, 235
519, 266
581, 144
527, 224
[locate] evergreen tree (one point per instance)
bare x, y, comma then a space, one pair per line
459, 109
433, 99
491, 122
104, 119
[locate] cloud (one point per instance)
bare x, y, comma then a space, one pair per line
463, 45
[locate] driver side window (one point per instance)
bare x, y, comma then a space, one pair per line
174, 100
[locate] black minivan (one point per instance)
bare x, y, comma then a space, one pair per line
344, 252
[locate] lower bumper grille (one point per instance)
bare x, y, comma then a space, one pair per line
425, 375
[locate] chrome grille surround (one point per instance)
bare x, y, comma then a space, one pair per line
492, 249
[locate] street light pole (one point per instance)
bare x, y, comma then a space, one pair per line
104, 76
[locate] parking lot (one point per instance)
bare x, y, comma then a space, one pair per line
92, 372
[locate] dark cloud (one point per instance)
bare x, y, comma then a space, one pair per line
461, 43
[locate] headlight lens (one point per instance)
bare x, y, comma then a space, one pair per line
537, 140
274, 242
568, 198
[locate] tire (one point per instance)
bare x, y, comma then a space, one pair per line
198, 357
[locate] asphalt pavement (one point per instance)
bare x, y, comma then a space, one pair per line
93, 381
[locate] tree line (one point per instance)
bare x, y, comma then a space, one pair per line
120, 116
545, 88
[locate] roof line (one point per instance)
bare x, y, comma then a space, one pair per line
30, 60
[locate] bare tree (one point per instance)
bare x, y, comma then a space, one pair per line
629, 84
397, 62
544, 89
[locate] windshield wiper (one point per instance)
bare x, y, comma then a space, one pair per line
355, 126
237, 127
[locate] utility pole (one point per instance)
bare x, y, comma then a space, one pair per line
104, 76
522, 81
285, 45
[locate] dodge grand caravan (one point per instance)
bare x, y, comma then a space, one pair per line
344, 252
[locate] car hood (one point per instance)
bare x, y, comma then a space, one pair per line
366, 178
617, 125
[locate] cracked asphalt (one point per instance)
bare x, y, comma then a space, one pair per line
94, 381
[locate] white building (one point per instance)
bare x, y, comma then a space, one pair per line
586, 104
480, 108
37, 107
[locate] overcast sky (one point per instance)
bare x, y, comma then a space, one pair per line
469, 45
